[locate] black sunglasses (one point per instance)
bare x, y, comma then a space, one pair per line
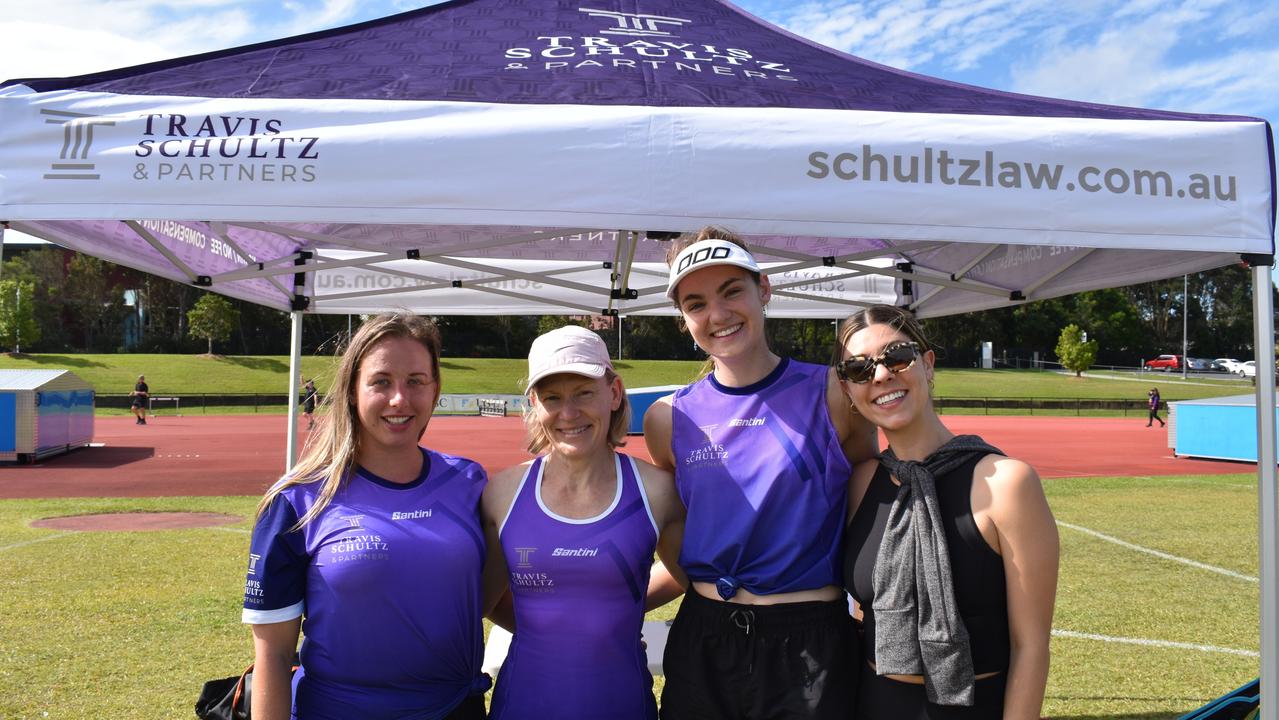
897, 358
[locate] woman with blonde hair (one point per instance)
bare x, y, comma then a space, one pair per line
574, 532
376, 541
761, 449
951, 547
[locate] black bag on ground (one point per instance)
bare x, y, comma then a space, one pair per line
226, 699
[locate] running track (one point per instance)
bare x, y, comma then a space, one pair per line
243, 455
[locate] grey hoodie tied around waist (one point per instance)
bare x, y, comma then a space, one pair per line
918, 630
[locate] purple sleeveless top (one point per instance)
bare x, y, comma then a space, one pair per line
765, 481
579, 589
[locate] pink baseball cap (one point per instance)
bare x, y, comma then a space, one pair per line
570, 349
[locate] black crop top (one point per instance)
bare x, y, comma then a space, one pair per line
978, 571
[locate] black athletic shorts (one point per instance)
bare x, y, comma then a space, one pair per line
472, 708
879, 698
760, 662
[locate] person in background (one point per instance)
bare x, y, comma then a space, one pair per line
138, 402
952, 551
576, 529
308, 402
761, 449
377, 542
1153, 399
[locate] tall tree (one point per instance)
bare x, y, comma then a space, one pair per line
1075, 353
96, 301
213, 318
18, 325
46, 269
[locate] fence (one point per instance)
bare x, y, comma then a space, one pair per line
1045, 406
197, 403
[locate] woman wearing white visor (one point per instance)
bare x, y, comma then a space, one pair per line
762, 449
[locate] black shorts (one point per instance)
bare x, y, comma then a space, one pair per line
472, 708
760, 662
879, 698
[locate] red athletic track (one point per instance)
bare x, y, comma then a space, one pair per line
242, 455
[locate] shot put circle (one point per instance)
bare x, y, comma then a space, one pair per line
136, 521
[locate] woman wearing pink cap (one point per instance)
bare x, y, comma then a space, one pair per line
762, 449
572, 533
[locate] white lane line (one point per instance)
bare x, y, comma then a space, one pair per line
1208, 483
234, 530
32, 542
1158, 554
1154, 643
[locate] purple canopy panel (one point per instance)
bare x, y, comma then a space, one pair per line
593, 52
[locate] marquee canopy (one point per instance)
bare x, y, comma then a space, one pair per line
504, 156
532, 155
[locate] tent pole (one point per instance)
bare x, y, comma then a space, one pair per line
295, 370
1263, 313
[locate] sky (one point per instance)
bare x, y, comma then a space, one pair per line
1210, 56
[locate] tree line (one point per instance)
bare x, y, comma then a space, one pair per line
77, 303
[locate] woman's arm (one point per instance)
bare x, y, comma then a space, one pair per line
1028, 542
667, 580
495, 504
657, 433
274, 647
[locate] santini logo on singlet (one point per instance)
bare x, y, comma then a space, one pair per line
411, 515
746, 422
575, 552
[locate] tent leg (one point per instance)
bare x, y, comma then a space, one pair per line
295, 370
1268, 510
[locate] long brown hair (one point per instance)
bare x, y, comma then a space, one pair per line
331, 451
709, 232
897, 318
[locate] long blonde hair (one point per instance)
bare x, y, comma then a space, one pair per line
330, 454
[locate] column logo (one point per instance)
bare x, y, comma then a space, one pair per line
637, 24
77, 139
524, 552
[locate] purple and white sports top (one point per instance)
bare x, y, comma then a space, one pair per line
765, 481
388, 579
579, 588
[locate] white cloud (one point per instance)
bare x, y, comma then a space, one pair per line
1156, 59
73, 37
43, 50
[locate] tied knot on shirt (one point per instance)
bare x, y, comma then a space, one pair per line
918, 627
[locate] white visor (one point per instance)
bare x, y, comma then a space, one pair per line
704, 254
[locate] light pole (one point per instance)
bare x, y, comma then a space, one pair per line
1185, 314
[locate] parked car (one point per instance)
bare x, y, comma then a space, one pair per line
1248, 369
1199, 364
1164, 362
1229, 365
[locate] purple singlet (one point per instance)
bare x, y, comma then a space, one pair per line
579, 590
765, 481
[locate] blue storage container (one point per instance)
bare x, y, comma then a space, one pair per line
42, 413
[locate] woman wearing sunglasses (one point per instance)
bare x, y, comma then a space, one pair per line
761, 449
951, 548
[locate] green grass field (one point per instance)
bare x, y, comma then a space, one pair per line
194, 374
101, 625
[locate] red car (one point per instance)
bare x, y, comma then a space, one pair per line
1165, 363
